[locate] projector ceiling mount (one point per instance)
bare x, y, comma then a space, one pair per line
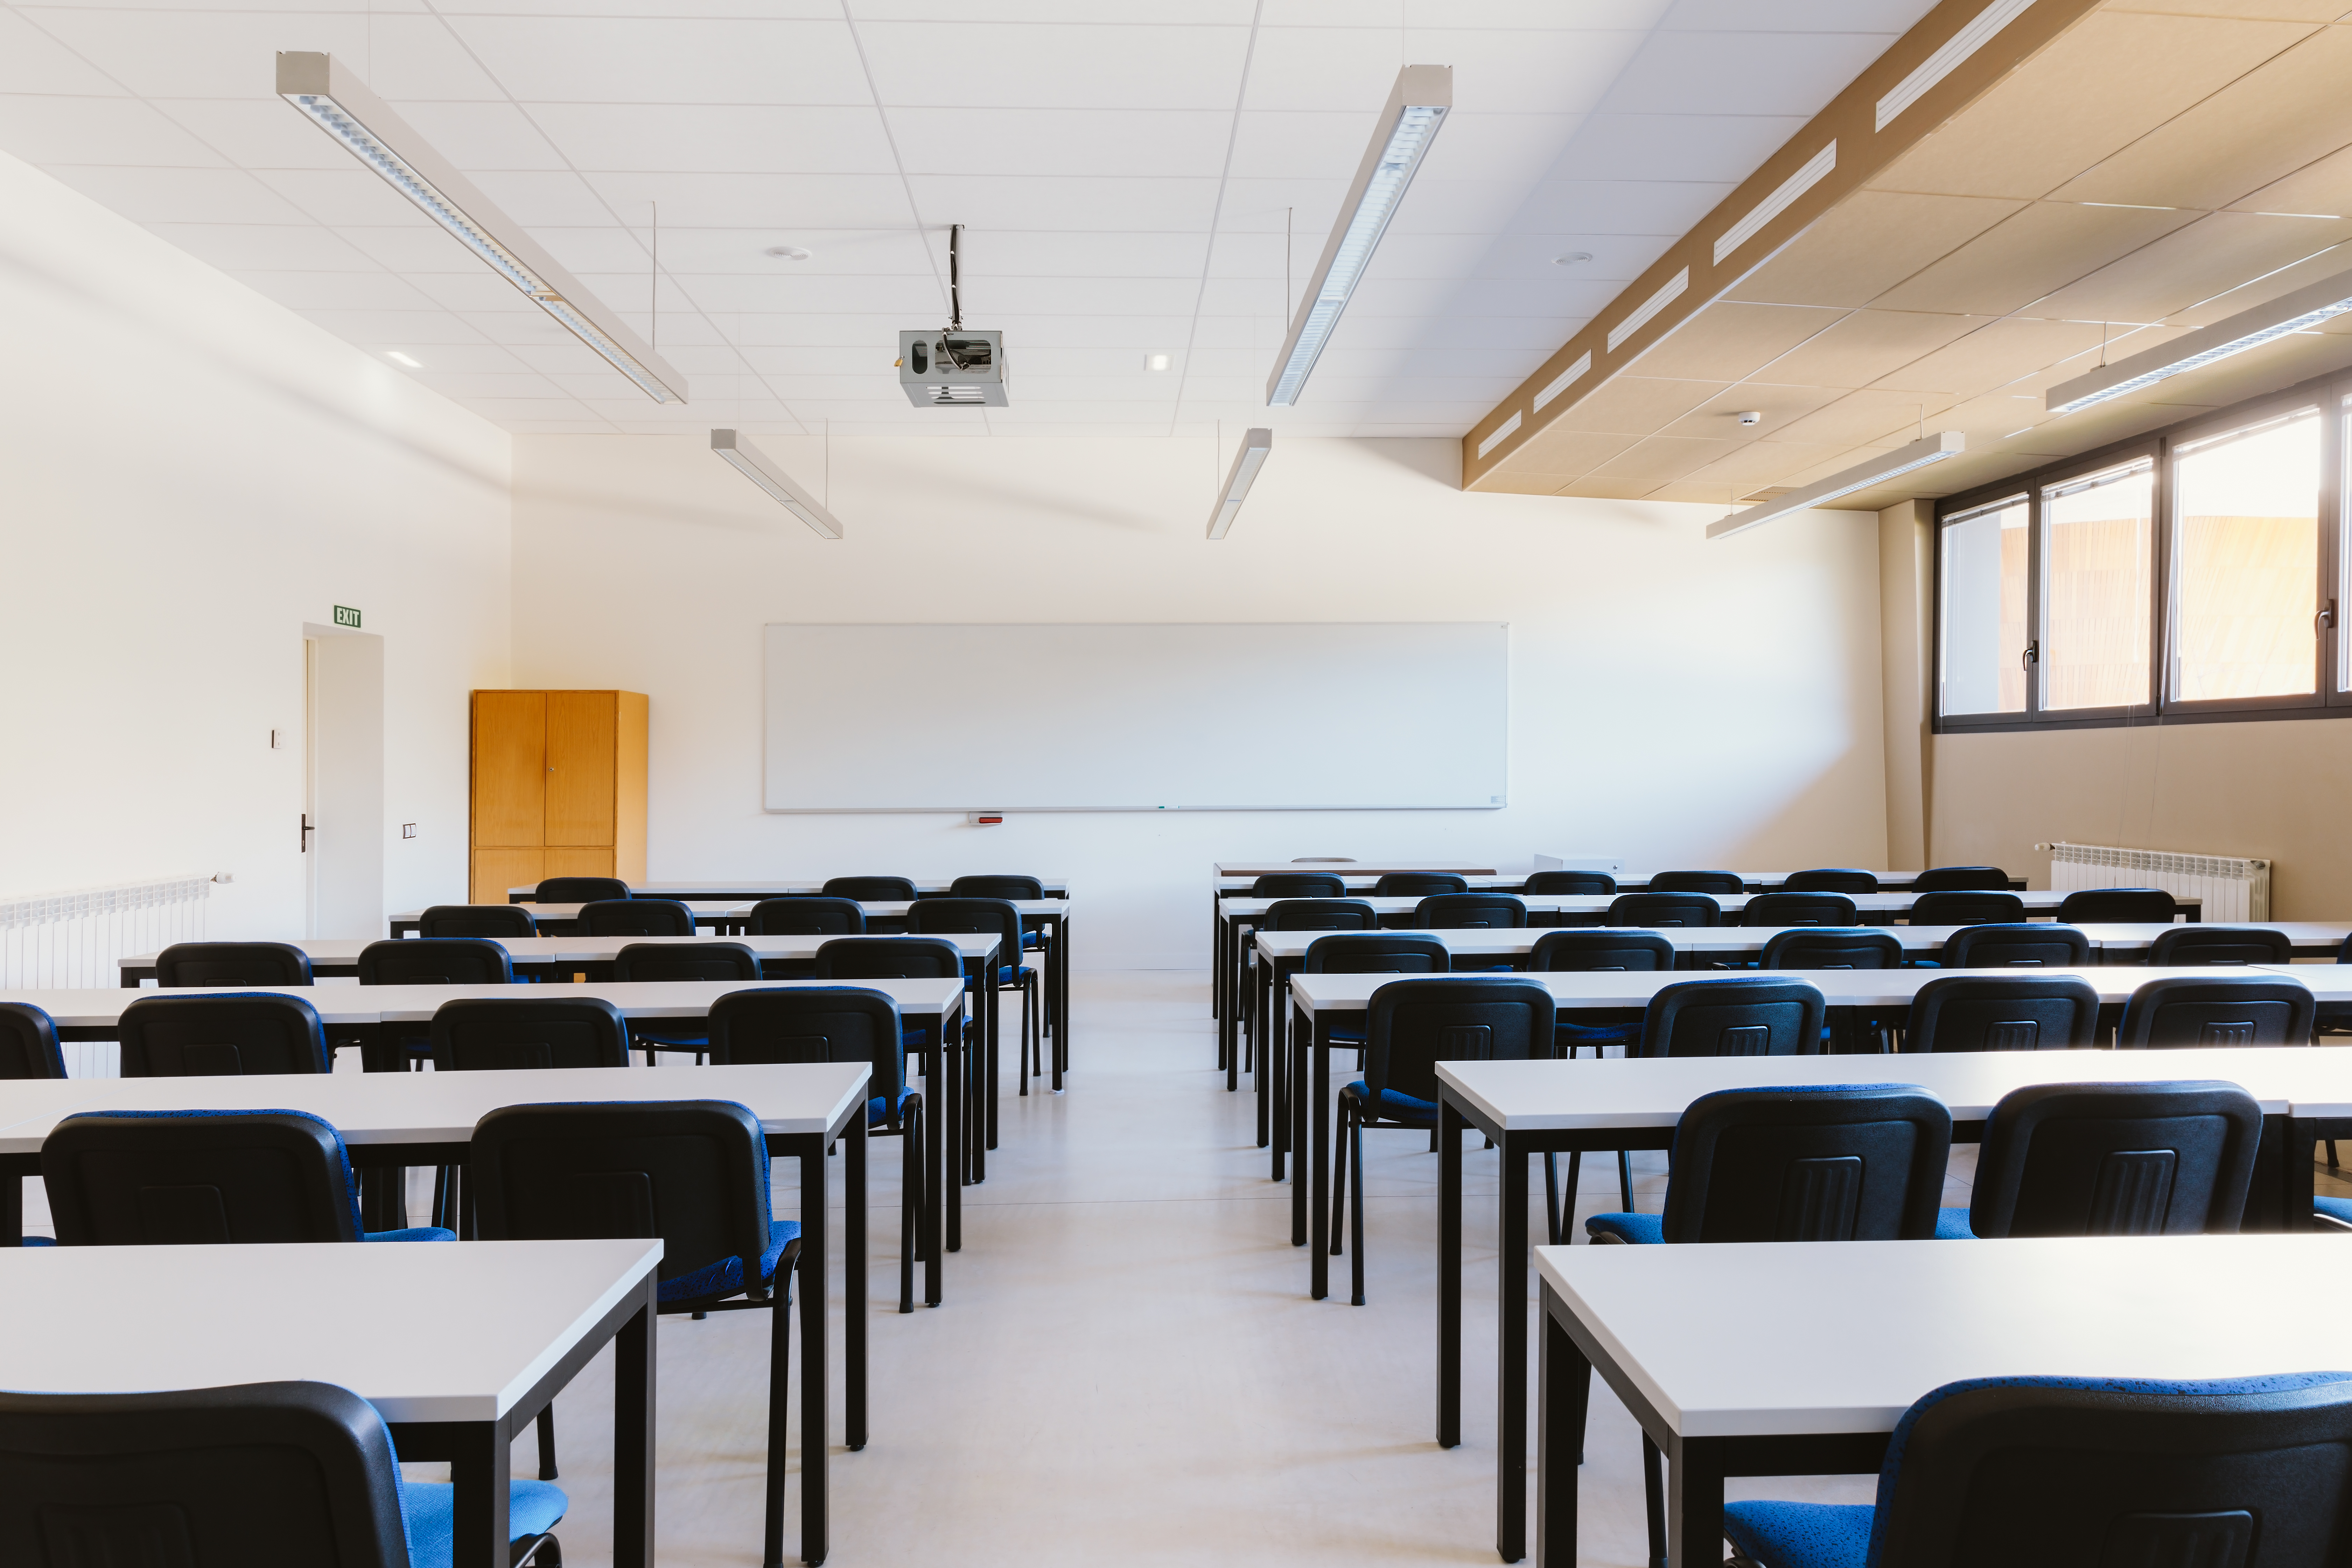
954, 368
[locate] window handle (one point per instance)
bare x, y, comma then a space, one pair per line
2032, 656
2324, 619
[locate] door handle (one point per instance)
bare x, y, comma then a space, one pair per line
307, 831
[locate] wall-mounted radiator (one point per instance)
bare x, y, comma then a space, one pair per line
72, 940
2233, 888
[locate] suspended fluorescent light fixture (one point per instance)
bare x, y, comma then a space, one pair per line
341, 105
2298, 312
760, 469
1861, 477
1416, 106
1257, 442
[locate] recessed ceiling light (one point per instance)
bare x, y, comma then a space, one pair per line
1155, 361
399, 358
787, 252
1573, 259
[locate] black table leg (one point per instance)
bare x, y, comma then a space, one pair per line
1319, 1208
2298, 1182
935, 1184
1694, 1503
1302, 1036
853, 1246
633, 1437
995, 1036
1057, 980
952, 1108
1268, 1041
1217, 962
816, 1288
1450, 1128
1511, 1351
1563, 1396
480, 1472
11, 1209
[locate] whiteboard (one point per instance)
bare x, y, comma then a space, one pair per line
1285, 717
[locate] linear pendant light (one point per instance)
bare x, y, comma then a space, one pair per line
1416, 106
343, 106
1861, 477
1257, 442
760, 469
2295, 313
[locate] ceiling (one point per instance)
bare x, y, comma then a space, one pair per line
1125, 168
2161, 164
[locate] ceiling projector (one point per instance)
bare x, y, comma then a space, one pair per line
954, 368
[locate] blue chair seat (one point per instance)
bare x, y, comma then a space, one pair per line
1642, 1229
1348, 1036
1033, 940
1952, 1225
1800, 1534
2338, 1209
725, 1278
1597, 1034
430, 1510
1394, 1107
678, 1032
1006, 974
413, 1233
878, 1110
52, 1241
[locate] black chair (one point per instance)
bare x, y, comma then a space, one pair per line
2025, 944
1570, 884
188, 1178
1996, 1012
1959, 879
578, 890
1319, 914
843, 1024
2219, 945
2047, 1471
252, 1474
1298, 885
1374, 952
2126, 906
870, 890
2114, 1159
692, 1173
2190, 1011
221, 1036
1469, 911
1830, 879
433, 961
1594, 952
1965, 908
28, 1045
1734, 1017
806, 914
1697, 882
901, 958
729, 962
998, 918
194, 963
491, 920
1411, 1026
1799, 910
996, 887
636, 917
1419, 884
1832, 947
1664, 911
499, 1033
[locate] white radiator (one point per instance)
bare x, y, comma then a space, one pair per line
2233, 888
70, 940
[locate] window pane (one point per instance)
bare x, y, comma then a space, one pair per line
2099, 548
1981, 663
2246, 572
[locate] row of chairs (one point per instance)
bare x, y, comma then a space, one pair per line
1560, 884
1466, 910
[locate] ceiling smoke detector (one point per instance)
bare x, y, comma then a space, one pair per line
1749, 417
1573, 259
787, 252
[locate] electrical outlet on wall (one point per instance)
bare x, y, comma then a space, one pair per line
408, 830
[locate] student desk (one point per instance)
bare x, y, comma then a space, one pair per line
1054, 886
532, 1314
710, 914
1053, 916
1789, 1384
1535, 1107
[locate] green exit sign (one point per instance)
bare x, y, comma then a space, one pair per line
346, 617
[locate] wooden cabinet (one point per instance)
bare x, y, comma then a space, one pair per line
559, 788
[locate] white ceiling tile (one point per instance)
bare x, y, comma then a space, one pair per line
258, 133
180, 195
1714, 147
478, 135
1084, 331
1303, 144
266, 247
1622, 207
503, 409
799, 10
976, 65
97, 130
566, 356
1516, 149
1349, 70
668, 59
1142, 144
194, 54
1891, 18
1078, 295
33, 61
550, 199
477, 288
411, 250
722, 295
486, 358
488, 383
1741, 72
758, 201
1201, 13
1030, 202
337, 290
1499, 70
348, 197
717, 139
1022, 254
397, 329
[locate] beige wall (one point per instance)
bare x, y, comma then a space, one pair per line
1905, 615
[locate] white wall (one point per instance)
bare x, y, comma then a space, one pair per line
1673, 700
189, 473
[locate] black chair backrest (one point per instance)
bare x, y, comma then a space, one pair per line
1571, 884
578, 890
1659, 909
2190, 1011
972, 917
187, 1178
1999, 1013
1831, 879
1799, 910
693, 1173
1832, 947
436, 961
1319, 914
28, 1043
2022, 944
807, 914
996, 887
1298, 885
1740, 1017
1697, 882
1832, 1162
813, 1024
2220, 944
2116, 1159
1377, 953
1414, 1024
1419, 884
252, 1473
192, 963
888, 958
500, 1033
1965, 908
221, 1036
636, 917
1559, 951
2109, 1471
1955, 879
1470, 911
2132, 906
478, 919
729, 960
870, 890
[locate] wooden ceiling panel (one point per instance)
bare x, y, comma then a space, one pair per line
2214, 255
2242, 376
1871, 418
1869, 345
2248, 10
1594, 488
1995, 416
2045, 247
2333, 262
1738, 338
1635, 405
1563, 454
2115, 76
1779, 406
1513, 482
2261, 128
1661, 459
2323, 185
1868, 245
1762, 464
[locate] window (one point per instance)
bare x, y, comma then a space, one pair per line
2099, 559
2245, 562
1981, 664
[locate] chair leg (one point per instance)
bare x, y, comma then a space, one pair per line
780, 1371
1356, 1217
1339, 1175
2331, 1154
911, 1188
1653, 1500
1625, 1179
1575, 1185
546, 1443
1552, 1197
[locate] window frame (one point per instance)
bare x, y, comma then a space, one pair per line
2332, 651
